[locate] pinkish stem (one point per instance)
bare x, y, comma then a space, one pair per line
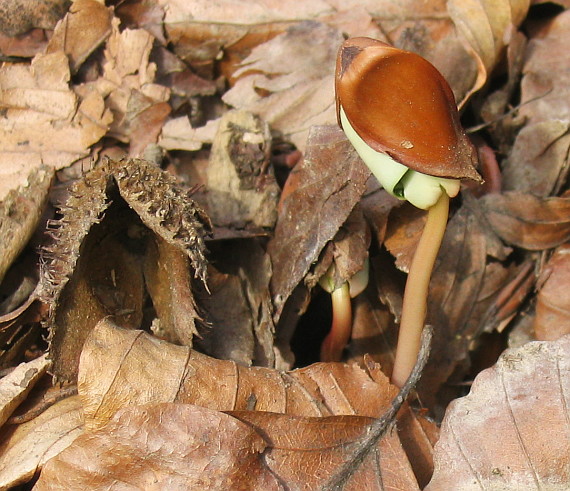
337, 338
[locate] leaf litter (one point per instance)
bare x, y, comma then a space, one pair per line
218, 298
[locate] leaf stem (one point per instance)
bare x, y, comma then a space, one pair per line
416, 292
341, 327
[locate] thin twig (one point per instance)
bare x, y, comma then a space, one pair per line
43, 405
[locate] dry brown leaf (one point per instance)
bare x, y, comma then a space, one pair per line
94, 267
166, 269
201, 30
167, 446
15, 386
552, 320
538, 162
306, 452
317, 199
20, 214
81, 31
25, 448
132, 367
289, 86
138, 104
511, 431
179, 446
44, 122
486, 27
26, 46
528, 221
239, 308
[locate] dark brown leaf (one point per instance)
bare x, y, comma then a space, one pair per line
528, 221
238, 311
319, 195
552, 320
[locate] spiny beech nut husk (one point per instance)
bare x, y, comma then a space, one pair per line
400, 104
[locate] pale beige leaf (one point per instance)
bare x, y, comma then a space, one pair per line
289, 86
44, 122
178, 134
512, 431
26, 447
485, 25
20, 213
15, 386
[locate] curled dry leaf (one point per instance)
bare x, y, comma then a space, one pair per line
132, 367
20, 213
45, 122
139, 105
552, 319
167, 446
15, 386
511, 431
485, 26
289, 86
27, 447
179, 446
201, 30
538, 162
81, 31
94, 267
528, 221
318, 197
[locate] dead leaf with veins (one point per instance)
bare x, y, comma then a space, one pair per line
289, 86
180, 446
85, 27
25, 448
319, 195
511, 431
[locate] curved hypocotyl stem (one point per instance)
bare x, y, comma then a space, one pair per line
416, 292
341, 327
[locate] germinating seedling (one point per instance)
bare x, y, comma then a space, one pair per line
400, 115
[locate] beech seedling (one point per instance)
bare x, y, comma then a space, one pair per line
341, 295
400, 115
